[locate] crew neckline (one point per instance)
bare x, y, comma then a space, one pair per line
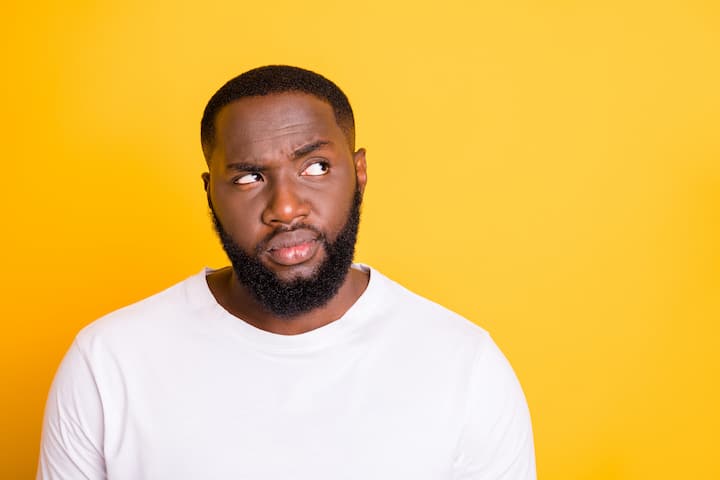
360, 313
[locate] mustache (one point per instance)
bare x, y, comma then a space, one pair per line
262, 245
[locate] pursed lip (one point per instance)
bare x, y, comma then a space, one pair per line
290, 239
292, 248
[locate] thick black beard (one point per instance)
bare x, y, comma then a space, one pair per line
301, 295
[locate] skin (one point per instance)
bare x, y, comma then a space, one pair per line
281, 160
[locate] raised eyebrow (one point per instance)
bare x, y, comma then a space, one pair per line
309, 148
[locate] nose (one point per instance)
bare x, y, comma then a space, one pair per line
285, 204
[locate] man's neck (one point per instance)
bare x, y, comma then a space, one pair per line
236, 299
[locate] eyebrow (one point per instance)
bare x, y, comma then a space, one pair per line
295, 155
244, 167
309, 148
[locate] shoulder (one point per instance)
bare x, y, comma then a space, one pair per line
147, 317
496, 439
421, 320
422, 312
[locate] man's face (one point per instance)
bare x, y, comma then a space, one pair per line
284, 188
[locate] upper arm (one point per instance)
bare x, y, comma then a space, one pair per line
497, 441
72, 437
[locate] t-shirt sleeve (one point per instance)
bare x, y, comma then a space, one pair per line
497, 441
72, 437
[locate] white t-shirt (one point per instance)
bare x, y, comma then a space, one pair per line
175, 387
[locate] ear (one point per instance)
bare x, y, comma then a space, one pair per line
206, 180
360, 169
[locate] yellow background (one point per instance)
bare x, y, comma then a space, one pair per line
549, 169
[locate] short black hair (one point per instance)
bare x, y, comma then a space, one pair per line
276, 79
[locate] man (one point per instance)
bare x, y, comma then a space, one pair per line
293, 363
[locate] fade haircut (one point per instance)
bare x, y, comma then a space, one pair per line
276, 79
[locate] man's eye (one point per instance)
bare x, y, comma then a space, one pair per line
247, 179
317, 168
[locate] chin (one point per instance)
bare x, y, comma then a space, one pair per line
290, 273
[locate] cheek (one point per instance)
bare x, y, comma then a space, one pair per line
336, 212
240, 220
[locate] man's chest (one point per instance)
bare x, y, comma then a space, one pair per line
354, 418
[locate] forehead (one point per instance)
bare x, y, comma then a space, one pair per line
275, 118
